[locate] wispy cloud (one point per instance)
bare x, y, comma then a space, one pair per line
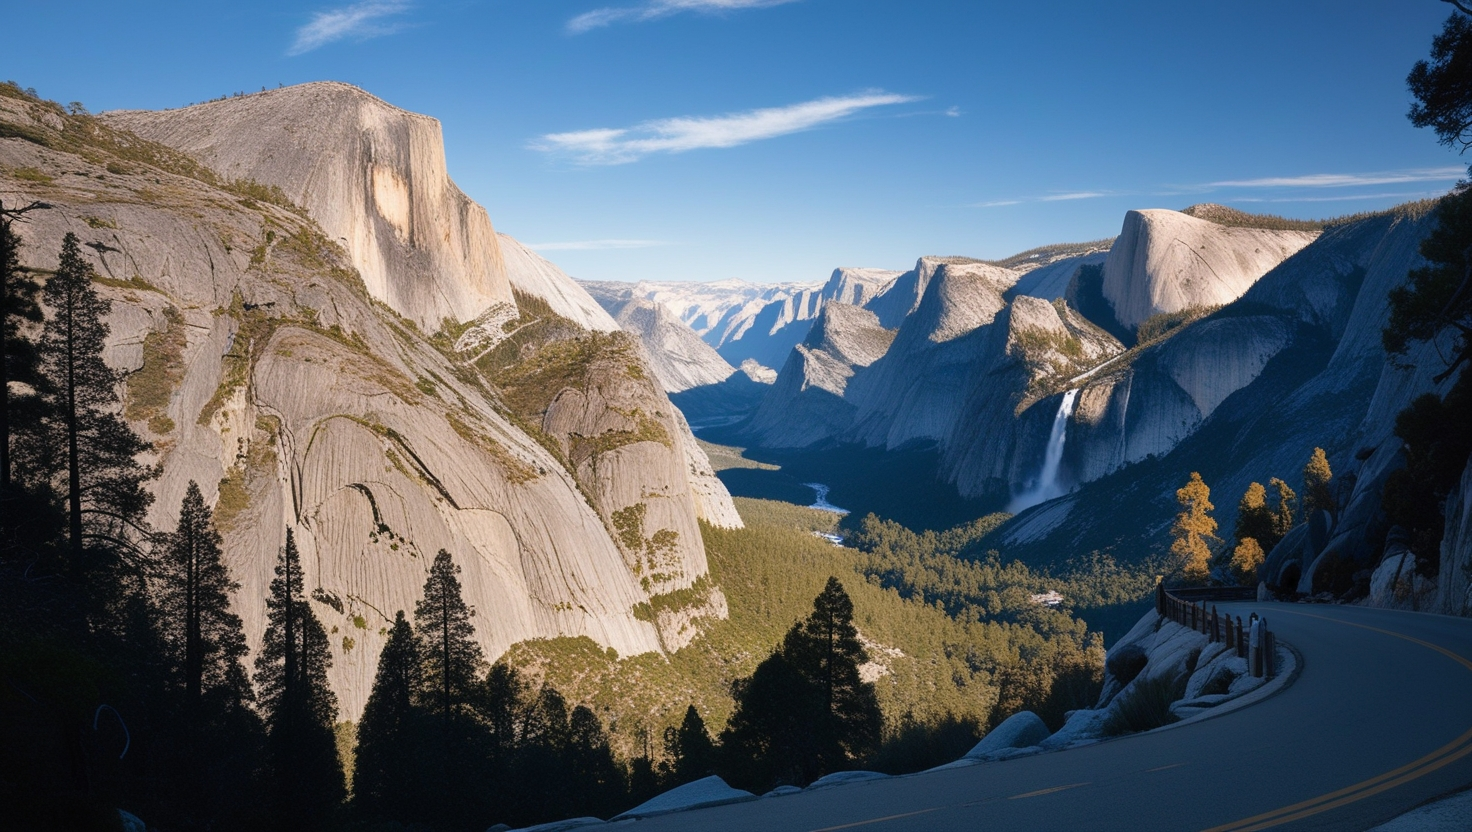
656, 9
616, 146
1072, 196
1065, 197
1347, 180
359, 21
596, 245
1341, 197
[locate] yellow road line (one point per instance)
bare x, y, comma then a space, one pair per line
879, 820
1041, 792
1445, 755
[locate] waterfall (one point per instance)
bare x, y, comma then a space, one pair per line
1046, 487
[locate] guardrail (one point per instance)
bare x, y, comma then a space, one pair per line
1253, 641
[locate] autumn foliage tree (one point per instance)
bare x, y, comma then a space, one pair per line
1192, 529
1318, 493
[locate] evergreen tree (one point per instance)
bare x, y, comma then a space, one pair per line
1317, 492
689, 752
1255, 519
18, 309
1438, 297
1193, 527
385, 777
1246, 558
805, 711
452, 657
598, 782
83, 443
204, 639
291, 672
216, 736
1285, 515
826, 648
772, 737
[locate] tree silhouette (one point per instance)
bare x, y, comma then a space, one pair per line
689, 752
386, 781
805, 711
826, 649
1192, 528
1438, 296
452, 658
18, 308
291, 673
203, 637
90, 449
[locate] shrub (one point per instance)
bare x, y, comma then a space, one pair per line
1145, 705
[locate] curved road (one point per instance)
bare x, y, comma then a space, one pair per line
1378, 722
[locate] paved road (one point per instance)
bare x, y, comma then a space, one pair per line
1379, 721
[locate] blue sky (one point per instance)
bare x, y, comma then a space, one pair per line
777, 139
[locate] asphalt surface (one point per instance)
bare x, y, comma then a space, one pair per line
1378, 722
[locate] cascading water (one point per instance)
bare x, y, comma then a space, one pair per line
1047, 487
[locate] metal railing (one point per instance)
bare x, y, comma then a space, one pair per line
1252, 641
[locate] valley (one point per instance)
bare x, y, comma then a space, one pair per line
330, 504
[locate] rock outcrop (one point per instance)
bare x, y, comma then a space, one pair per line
807, 404
371, 175
297, 401
1167, 261
1454, 582
678, 357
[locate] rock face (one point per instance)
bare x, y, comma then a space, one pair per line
1453, 595
297, 402
534, 275
676, 354
1167, 261
1295, 363
383, 192
807, 403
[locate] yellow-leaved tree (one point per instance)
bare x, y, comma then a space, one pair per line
1246, 558
1316, 478
1193, 527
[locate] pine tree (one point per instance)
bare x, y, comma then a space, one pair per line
1193, 527
826, 648
1317, 493
773, 736
204, 639
385, 778
1254, 517
1285, 515
805, 711
83, 443
291, 673
218, 736
1246, 558
689, 752
452, 657
598, 783
18, 309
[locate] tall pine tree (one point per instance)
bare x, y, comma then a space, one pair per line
84, 445
306, 777
216, 737
452, 658
386, 782
204, 639
805, 711
18, 310
826, 649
